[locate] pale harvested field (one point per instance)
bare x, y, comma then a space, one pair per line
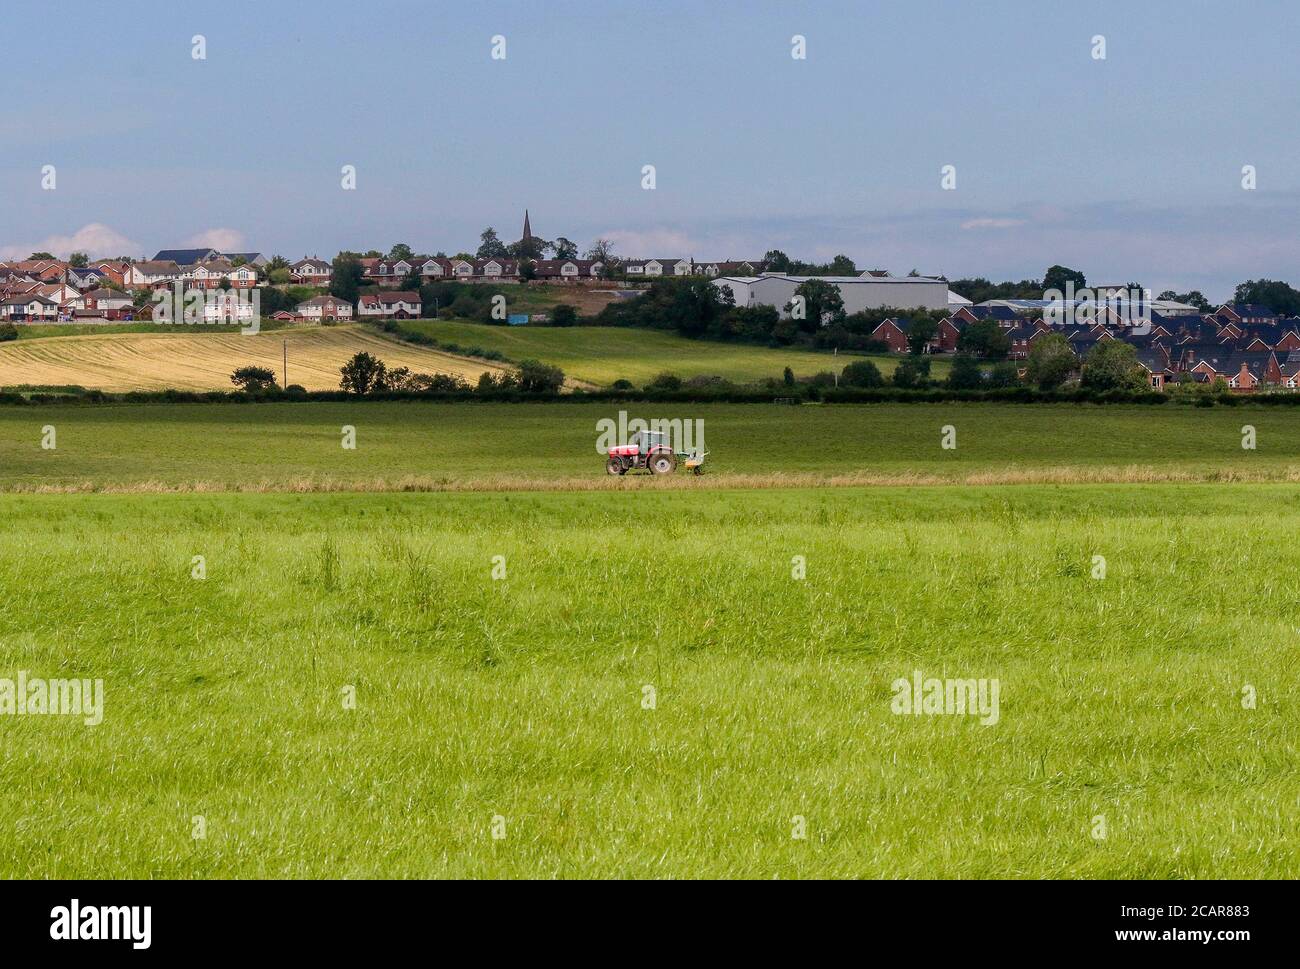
204, 361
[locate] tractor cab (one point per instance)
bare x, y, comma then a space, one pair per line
647, 441
642, 443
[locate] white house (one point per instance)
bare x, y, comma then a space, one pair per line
321, 308
311, 272
397, 304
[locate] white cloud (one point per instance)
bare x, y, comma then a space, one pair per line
223, 240
96, 240
992, 223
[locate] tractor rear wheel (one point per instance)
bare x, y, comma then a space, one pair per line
614, 466
662, 462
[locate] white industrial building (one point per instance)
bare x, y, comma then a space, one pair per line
858, 292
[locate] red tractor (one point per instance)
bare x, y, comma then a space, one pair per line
650, 451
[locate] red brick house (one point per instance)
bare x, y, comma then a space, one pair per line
893, 333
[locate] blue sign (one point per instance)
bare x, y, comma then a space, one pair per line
517, 319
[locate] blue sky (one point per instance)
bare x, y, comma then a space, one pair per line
1127, 168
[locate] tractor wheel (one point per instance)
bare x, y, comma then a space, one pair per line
614, 466
662, 462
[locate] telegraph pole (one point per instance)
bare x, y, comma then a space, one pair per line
286, 364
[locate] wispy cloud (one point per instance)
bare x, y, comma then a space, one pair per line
95, 239
990, 223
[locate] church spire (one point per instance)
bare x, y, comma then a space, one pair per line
528, 232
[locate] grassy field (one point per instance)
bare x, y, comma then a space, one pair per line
650, 678
421, 445
648, 690
601, 355
151, 360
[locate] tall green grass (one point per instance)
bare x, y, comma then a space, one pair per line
523, 697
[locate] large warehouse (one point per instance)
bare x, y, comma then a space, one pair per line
858, 292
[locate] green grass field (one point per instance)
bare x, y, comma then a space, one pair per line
650, 679
600, 354
522, 701
428, 445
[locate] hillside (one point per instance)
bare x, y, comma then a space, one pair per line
601, 355
119, 361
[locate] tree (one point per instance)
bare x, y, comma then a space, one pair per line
78, 260
490, 247
565, 248
1057, 277
602, 251
345, 282
822, 304
252, 379
1273, 293
1194, 298
535, 377
1113, 365
41, 255
920, 332
527, 270
363, 374
1051, 361
777, 261
862, 373
562, 314
965, 373
912, 372
1004, 374
8, 332
400, 250
787, 377
842, 265
985, 338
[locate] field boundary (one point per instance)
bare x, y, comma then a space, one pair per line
1130, 474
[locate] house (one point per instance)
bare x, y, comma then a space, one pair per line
568, 269
318, 309
255, 259
744, 267
398, 305
46, 270
1156, 364
653, 268
1019, 338
496, 269
310, 272
151, 273
31, 308
1004, 316
108, 303
87, 277
216, 272
185, 257
1244, 372
1290, 370
893, 333
949, 333
1242, 313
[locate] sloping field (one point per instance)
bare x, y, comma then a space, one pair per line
204, 361
603, 354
